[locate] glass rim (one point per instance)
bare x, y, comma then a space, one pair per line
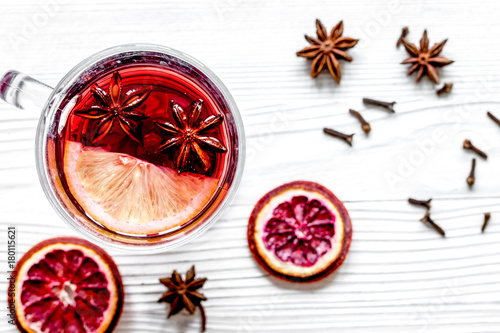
42, 139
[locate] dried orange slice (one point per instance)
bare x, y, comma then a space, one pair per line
67, 284
130, 195
300, 232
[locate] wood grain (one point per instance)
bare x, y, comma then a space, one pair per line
400, 275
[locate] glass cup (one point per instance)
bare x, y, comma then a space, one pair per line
25, 92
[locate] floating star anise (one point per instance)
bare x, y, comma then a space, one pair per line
327, 50
190, 135
113, 110
425, 60
184, 294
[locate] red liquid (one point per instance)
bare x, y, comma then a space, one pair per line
167, 86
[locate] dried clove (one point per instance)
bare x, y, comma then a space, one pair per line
446, 89
495, 119
424, 203
427, 219
346, 137
365, 126
487, 217
468, 145
471, 179
404, 32
386, 105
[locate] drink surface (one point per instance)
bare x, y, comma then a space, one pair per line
143, 150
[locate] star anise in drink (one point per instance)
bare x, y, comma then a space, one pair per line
190, 136
184, 294
424, 60
327, 50
113, 109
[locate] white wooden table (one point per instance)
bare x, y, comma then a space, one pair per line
400, 276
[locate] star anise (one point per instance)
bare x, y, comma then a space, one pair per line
425, 60
184, 294
113, 110
328, 50
190, 135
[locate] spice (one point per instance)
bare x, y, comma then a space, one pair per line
386, 105
495, 119
471, 179
114, 110
404, 32
424, 203
487, 217
327, 50
424, 60
184, 294
427, 219
468, 145
190, 136
365, 126
346, 137
446, 89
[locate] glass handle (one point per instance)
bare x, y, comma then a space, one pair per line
23, 91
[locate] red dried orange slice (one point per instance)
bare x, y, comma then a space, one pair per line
67, 284
300, 232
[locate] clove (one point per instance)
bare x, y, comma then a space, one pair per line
495, 119
386, 105
468, 145
404, 32
424, 203
365, 126
487, 217
471, 179
346, 137
427, 219
446, 89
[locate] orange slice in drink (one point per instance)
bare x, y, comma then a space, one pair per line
132, 196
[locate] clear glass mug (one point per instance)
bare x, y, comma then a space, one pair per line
25, 92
